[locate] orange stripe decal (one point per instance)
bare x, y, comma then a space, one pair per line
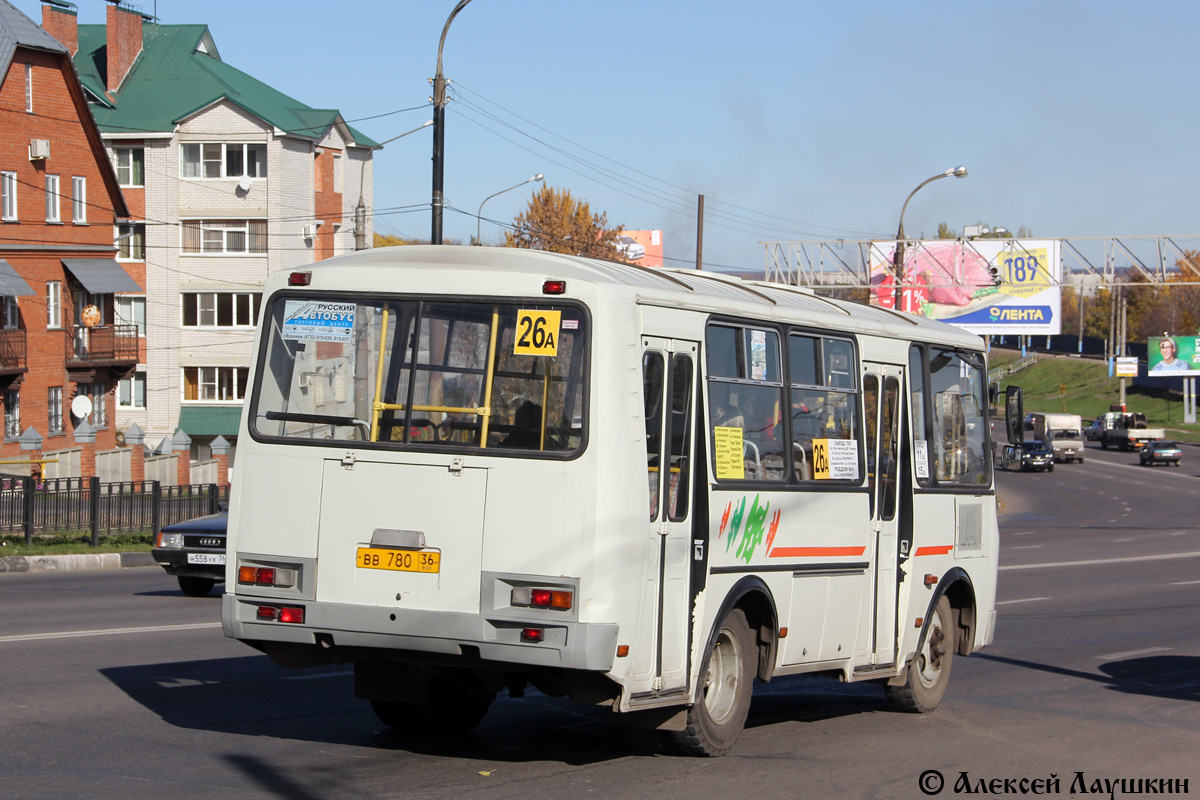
810, 552
940, 550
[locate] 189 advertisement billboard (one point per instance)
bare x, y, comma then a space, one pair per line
987, 286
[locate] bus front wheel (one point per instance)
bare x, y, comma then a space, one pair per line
929, 671
727, 682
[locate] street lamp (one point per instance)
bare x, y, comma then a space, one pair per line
439, 132
898, 256
479, 214
360, 211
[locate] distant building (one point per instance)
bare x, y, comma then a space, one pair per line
227, 180
62, 334
645, 249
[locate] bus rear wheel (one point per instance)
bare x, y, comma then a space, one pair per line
929, 671
452, 707
727, 682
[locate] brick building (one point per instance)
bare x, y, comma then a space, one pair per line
60, 337
227, 180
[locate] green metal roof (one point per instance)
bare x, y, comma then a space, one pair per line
180, 72
210, 421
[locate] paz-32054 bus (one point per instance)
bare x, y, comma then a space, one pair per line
467, 470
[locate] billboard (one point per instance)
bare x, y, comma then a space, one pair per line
1173, 355
644, 248
987, 286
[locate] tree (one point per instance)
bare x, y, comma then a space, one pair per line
383, 240
946, 232
556, 222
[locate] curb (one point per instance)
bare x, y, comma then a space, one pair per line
75, 563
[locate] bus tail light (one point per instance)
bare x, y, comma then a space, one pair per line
542, 598
292, 614
554, 287
533, 635
300, 279
266, 576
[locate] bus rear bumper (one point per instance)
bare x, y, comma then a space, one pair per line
334, 626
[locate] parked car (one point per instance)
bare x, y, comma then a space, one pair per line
1160, 452
630, 248
194, 552
1036, 455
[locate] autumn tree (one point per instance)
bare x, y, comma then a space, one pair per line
556, 222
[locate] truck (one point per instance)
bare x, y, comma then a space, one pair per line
1127, 430
1063, 432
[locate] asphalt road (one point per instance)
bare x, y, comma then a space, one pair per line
115, 685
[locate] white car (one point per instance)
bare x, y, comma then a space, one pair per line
629, 247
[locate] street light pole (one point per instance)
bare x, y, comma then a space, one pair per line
360, 211
479, 214
898, 256
439, 132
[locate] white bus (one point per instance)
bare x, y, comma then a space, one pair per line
467, 469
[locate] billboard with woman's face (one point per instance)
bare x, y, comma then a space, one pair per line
1172, 355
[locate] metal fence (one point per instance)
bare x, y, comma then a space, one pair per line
87, 506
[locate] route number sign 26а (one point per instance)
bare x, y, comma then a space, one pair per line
537, 333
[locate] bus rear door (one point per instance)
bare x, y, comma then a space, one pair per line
668, 379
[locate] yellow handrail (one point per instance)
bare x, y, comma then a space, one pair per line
376, 406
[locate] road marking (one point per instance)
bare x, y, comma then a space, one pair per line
1184, 583
1026, 547
1024, 533
30, 637
1094, 562
1023, 600
1132, 653
1130, 539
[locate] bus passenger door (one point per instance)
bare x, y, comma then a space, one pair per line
668, 379
882, 400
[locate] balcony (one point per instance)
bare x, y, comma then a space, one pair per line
105, 347
12, 352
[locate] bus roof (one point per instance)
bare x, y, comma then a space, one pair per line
504, 271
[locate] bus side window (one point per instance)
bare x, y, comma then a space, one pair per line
652, 400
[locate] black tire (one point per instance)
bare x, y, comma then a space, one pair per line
452, 708
1051, 468
928, 674
727, 683
193, 586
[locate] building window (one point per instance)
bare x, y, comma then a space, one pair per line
53, 199
131, 311
131, 166
79, 200
12, 414
225, 236
11, 315
221, 309
53, 304
98, 394
131, 241
54, 411
29, 88
8, 196
220, 384
131, 391
217, 161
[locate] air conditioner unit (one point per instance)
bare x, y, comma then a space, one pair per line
39, 149
310, 231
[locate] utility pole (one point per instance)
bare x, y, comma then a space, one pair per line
439, 130
1121, 350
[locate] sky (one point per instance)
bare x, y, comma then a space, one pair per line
797, 121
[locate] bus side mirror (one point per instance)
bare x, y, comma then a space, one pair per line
1014, 415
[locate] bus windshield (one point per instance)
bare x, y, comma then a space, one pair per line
409, 372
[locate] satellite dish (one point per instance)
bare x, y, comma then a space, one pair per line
81, 406
244, 184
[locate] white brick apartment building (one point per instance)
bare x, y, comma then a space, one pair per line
227, 180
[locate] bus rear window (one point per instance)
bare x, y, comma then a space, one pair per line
397, 373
